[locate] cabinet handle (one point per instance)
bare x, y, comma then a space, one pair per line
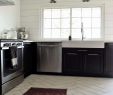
93, 54
83, 50
72, 53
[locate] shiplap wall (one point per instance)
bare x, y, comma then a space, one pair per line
30, 15
10, 16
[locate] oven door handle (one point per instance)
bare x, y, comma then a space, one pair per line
20, 46
5, 48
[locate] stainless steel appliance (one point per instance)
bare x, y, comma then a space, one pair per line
11, 68
50, 57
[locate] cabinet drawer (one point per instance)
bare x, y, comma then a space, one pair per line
70, 50
96, 51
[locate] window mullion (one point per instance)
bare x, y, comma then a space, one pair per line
51, 22
60, 22
91, 24
82, 24
71, 22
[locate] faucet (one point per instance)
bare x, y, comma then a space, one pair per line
82, 31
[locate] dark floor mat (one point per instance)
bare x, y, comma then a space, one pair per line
46, 91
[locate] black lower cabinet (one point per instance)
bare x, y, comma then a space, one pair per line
30, 58
75, 61
72, 61
93, 62
108, 60
83, 61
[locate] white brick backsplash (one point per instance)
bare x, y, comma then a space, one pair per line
30, 14
109, 37
31, 19
109, 31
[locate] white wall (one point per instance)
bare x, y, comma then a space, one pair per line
30, 14
10, 16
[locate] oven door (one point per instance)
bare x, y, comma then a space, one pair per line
7, 71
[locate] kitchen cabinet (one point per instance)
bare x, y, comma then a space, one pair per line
93, 61
108, 60
86, 61
72, 61
30, 58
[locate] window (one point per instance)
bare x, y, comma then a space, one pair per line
60, 23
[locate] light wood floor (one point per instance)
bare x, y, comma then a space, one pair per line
75, 85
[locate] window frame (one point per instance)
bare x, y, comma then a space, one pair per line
102, 36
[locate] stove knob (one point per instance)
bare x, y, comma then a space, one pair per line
6, 45
19, 44
13, 44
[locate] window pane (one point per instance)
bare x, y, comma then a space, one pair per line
47, 23
76, 23
96, 22
96, 12
76, 12
65, 33
55, 13
96, 33
87, 33
47, 33
47, 13
76, 33
55, 23
65, 23
86, 12
86, 22
55, 33
65, 13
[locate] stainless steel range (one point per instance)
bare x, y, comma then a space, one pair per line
11, 64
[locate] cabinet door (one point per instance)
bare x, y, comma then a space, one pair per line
93, 63
72, 62
29, 61
108, 58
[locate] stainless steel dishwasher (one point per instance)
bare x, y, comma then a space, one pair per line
49, 57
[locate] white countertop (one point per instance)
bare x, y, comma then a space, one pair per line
77, 43
27, 41
66, 40
83, 44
